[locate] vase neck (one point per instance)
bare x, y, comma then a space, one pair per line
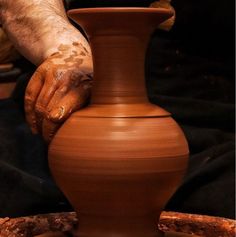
118, 38
119, 69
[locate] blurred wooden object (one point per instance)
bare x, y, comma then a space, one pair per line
6, 89
8, 77
6, 67
172, 223
8, 53
8, 74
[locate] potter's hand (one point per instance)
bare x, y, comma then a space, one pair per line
60, 86
42, 33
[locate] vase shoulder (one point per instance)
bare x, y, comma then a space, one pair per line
122, 111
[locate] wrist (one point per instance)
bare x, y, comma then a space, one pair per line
66, 41
69, 48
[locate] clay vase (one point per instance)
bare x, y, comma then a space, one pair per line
120, 159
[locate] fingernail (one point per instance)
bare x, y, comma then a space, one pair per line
57, 114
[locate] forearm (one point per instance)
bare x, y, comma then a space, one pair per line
38, 28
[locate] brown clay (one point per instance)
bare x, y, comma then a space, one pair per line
119, 160
60, 86
171, 223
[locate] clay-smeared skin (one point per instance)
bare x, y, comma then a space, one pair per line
38, 27
40, 30
60, 86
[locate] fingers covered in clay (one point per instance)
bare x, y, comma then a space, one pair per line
60, 86
61, 108
32, 91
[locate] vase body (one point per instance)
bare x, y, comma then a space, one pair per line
120, 159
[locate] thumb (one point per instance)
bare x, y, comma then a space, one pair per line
69, 104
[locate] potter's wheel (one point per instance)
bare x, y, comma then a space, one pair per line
174, 224
170, 234
175, 234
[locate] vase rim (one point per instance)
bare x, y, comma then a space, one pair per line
121, 10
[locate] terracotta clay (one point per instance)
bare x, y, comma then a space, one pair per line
179, 224
119, 160
59, 86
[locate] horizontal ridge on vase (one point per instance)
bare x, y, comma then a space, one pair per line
121, 158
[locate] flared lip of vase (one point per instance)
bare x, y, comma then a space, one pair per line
122, 10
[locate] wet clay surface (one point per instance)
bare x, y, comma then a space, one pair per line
118, 168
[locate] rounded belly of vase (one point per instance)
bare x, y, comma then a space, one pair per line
118, 169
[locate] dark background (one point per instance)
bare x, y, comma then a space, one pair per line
190, 73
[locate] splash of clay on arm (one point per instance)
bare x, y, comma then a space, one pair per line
38, 27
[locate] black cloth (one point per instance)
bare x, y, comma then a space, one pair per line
26, 186
190, 73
